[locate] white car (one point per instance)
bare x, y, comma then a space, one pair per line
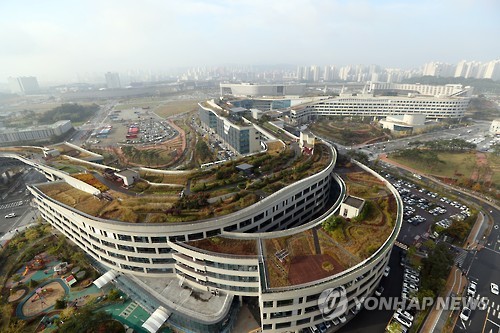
411, 277
472, 289
465, 314
494, 288
386, 271
10, 215
405, 313
402, 320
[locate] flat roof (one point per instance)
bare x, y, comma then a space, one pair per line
244, 166
353, 201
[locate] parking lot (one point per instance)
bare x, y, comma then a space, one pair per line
132, 126
424, 208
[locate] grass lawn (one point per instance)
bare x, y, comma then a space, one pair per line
494, 163
69, 169
176, 107
454, 164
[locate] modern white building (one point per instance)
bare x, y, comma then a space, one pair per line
23, 85
351, 207
175, 267
237, 133
407, 122
259, 90
38, 133
435, 102
112, 80
495, 127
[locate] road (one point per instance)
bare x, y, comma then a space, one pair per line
18, 201
484, 267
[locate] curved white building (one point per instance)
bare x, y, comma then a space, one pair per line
201, 270
380, 106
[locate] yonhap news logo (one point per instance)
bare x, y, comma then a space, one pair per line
333, 303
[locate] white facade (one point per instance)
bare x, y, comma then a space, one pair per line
23, 85
351, 207
256, 90
42, 132
379, 106
495, 127
158, 250
425, 89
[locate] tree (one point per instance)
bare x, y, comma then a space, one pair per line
17, 326
332, 223
113, 294
436, 267
32, 234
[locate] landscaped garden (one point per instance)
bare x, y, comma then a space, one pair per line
350, 130
207, 193
342, 242
46, 286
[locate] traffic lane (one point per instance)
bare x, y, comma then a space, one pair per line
484, 270
8, 224
377, 320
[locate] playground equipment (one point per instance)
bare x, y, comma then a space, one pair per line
36, 264
61, 268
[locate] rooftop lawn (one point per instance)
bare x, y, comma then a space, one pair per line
345, 246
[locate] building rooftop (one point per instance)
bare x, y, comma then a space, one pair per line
317, 253
226, 245
208, 197
354, 202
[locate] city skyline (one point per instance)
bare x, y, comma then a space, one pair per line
57, 41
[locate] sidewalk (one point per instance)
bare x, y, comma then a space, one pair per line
454, 285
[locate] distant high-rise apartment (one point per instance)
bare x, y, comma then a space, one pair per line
113, 80
23, 85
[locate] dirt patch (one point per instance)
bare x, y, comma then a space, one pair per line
47, 298
305, 269
16, 295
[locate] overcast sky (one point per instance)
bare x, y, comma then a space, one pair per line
55, 40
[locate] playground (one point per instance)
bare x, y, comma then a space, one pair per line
42, 298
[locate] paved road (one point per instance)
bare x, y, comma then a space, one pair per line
484, 268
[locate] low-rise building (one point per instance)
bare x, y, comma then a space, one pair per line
351, 207
35, 133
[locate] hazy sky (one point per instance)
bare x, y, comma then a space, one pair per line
55, 40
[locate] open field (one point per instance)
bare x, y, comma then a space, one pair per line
453, 164
173, 108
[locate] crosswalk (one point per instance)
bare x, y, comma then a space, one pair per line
14, 204
460, 258
129, 309
492, 308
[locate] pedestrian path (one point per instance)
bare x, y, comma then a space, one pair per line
460, 258
128, 310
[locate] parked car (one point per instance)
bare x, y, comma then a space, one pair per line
387, 271
379, 291
403, 320
10, 215
472, 288
465, 314
405, 314
494, 288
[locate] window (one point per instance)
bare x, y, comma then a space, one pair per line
146, 250
124, 237
141, 239
139, 259
126, 248
158, 239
